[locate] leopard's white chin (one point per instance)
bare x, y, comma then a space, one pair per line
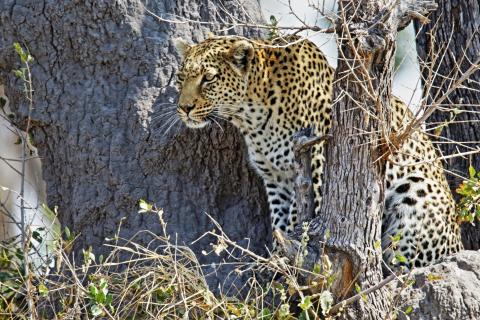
195, 124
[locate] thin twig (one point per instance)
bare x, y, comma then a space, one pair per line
359, 296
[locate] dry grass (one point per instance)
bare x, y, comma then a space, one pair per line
160, 280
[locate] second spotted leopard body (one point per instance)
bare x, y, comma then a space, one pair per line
269, 91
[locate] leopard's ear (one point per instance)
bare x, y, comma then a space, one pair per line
182, 46
240, 55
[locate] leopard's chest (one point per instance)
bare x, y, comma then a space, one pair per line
270, 151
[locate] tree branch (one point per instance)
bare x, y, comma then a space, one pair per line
407, 10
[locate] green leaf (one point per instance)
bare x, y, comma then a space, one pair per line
438, 130
326, 301
396, 238
306, 303
93, 291
145, 206
408, 310
67, 233
472, 172
30, 139
18, 74
24, 56
266, 314
18, 48
357, 288
109, 299
273, 20
37, 236
330, 279
400, 258
43, 290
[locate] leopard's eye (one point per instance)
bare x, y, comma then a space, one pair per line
208, 78
180, 77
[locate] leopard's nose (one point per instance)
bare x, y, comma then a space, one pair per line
187, 107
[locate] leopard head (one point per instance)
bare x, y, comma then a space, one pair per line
212, 79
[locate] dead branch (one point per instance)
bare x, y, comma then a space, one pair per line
408, 10
302, 145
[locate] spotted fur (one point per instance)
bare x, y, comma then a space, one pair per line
269, 91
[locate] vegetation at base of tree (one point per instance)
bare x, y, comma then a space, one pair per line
162, 281
469, 206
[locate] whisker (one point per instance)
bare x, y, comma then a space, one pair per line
165, 103
167, 122
163, 115
171, 126
236, 115
222, 117
213, 119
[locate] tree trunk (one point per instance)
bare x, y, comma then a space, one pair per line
455, 28
103, 70
354, 191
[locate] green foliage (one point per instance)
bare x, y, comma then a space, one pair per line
468, 208
145, 206
306, 303
164, 283
266, 314
399, 259
408, 310
100, 298
25, 57
13, 275
273, 33
23, 73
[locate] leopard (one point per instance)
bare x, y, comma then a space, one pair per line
271, 89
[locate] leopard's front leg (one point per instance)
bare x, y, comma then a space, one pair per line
280, 194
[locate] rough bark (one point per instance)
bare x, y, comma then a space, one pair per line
102, 71
455, 28
353, 194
